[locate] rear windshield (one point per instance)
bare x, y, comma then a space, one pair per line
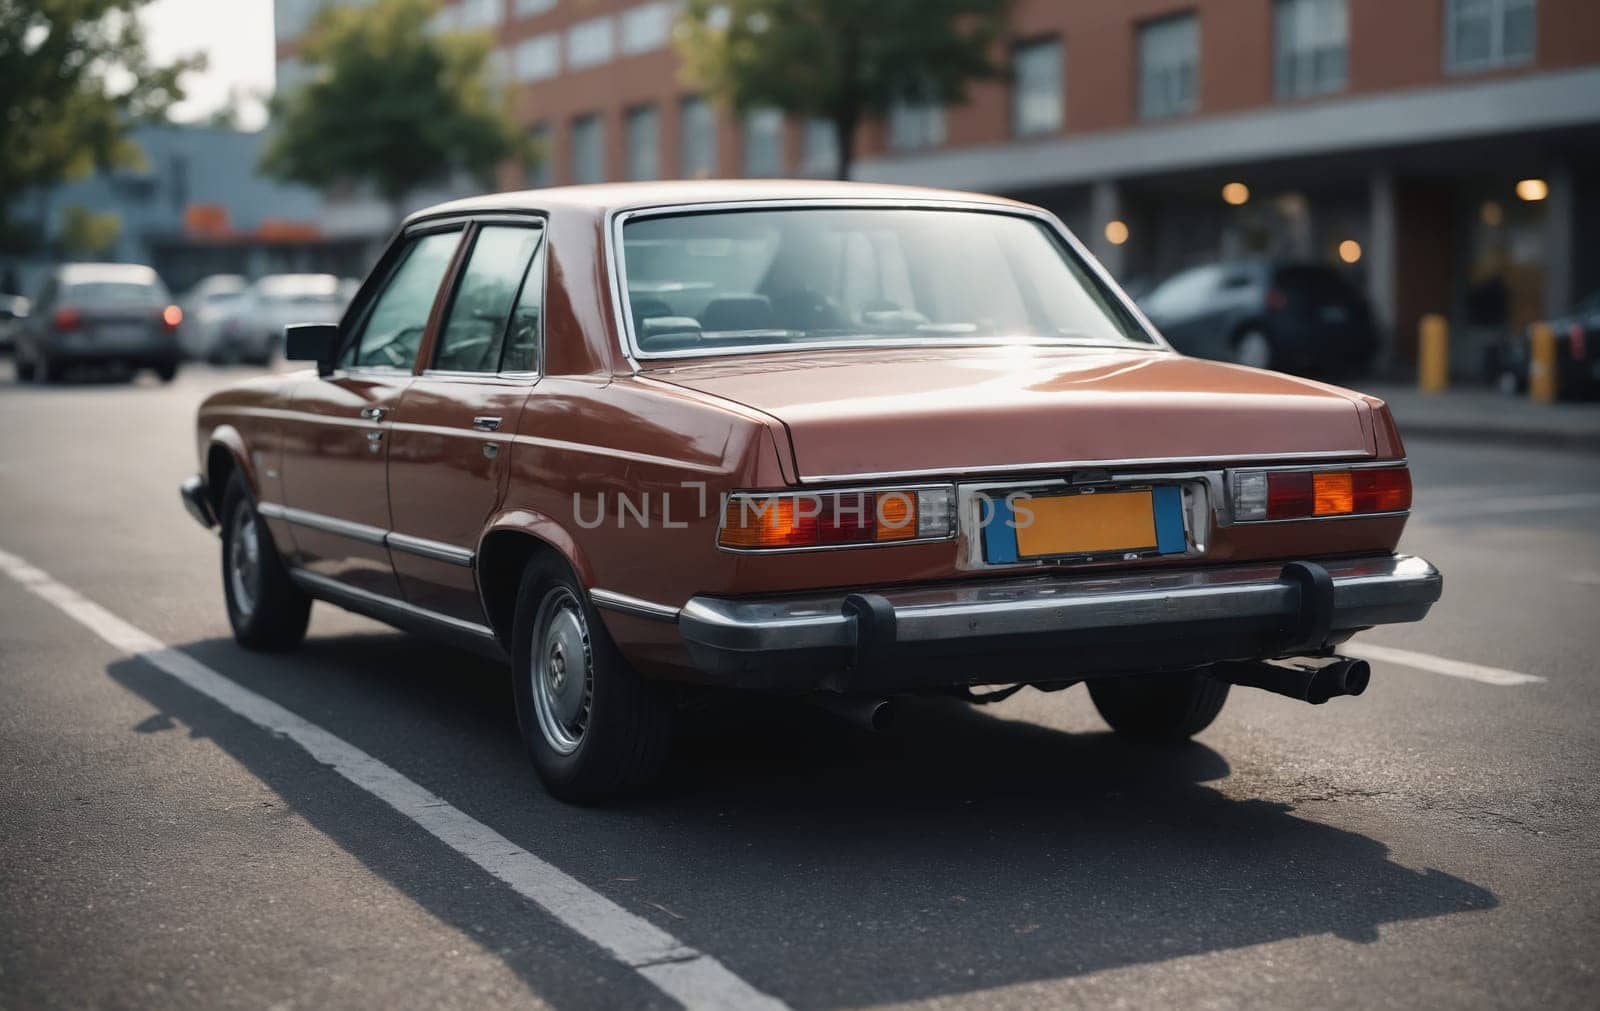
97, 293
756, 280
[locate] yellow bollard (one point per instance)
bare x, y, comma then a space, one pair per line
1542, 363
1433, 354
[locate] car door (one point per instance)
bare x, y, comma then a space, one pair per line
449, 449
335, 434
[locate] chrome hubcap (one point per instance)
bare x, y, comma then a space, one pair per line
563, 670
244, 560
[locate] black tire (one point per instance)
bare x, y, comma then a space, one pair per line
267, 611
24, 370
44, 370
599, 738
167, 372
1161, 708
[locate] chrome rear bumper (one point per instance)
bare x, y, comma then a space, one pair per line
1052, 628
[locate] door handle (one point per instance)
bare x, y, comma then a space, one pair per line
484, 423
373, 413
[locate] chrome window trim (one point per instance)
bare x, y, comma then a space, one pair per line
949, 534
615, 266
610, 600
538, 221
332, 589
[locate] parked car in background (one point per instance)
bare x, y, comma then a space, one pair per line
252, 329
1292, 317
836, 440
13, 310
205, 307
117, 314
1577, 335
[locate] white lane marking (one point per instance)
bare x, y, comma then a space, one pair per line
693, 978
1511, 504
1439, 664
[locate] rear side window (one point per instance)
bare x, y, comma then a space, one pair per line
475, 330
392, 332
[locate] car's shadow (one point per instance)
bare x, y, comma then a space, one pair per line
826, 865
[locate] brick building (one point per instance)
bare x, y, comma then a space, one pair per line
1446, 152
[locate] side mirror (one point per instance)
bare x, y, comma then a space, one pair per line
312, 342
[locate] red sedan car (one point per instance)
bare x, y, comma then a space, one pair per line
821, 439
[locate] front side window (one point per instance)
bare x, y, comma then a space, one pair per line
1169, 67
735, 281
1482, 34
475, 329
1312, 46
1036, 96
392, 332
588, 150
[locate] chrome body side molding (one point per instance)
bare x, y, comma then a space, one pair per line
437, 550
624, 604
421, 546
470, 634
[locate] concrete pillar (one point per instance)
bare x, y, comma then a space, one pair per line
1105, 206
1561, 250
1383, 262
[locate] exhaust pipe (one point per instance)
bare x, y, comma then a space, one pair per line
868, 713
1298, 679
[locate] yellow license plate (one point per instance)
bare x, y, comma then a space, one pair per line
1086, 524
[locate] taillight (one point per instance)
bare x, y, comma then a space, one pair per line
752, 521
1276, 299
171, 316
1304, 494
68, 318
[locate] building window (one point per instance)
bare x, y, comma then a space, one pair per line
763, 143
589, 43
476, 14
697, 139
538, 172
1480, 34
1036, 93
646, 27
643, 134
530, 8
821, 157
1169, 67
538, 58
588, 149
914, 125
1313, 45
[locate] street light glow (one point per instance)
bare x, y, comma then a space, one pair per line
1116, 232
1236, 194
1350, 251
1533, 190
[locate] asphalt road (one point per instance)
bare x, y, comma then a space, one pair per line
1431, 843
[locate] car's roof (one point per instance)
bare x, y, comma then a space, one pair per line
602, 198
101, 273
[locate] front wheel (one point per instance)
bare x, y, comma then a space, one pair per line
167, 372
1163, 708
592, 726
266, 609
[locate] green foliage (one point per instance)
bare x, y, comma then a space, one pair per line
74, 76
840, 60
389, 105
84, 233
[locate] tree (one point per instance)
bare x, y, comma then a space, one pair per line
390, 105
74, 77
845, 61
85, 233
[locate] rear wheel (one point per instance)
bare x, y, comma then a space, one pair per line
167, 372
44, 370
266, 609
24, 369
592, 726
1164, 708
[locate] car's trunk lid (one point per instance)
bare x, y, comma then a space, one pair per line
963, 410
